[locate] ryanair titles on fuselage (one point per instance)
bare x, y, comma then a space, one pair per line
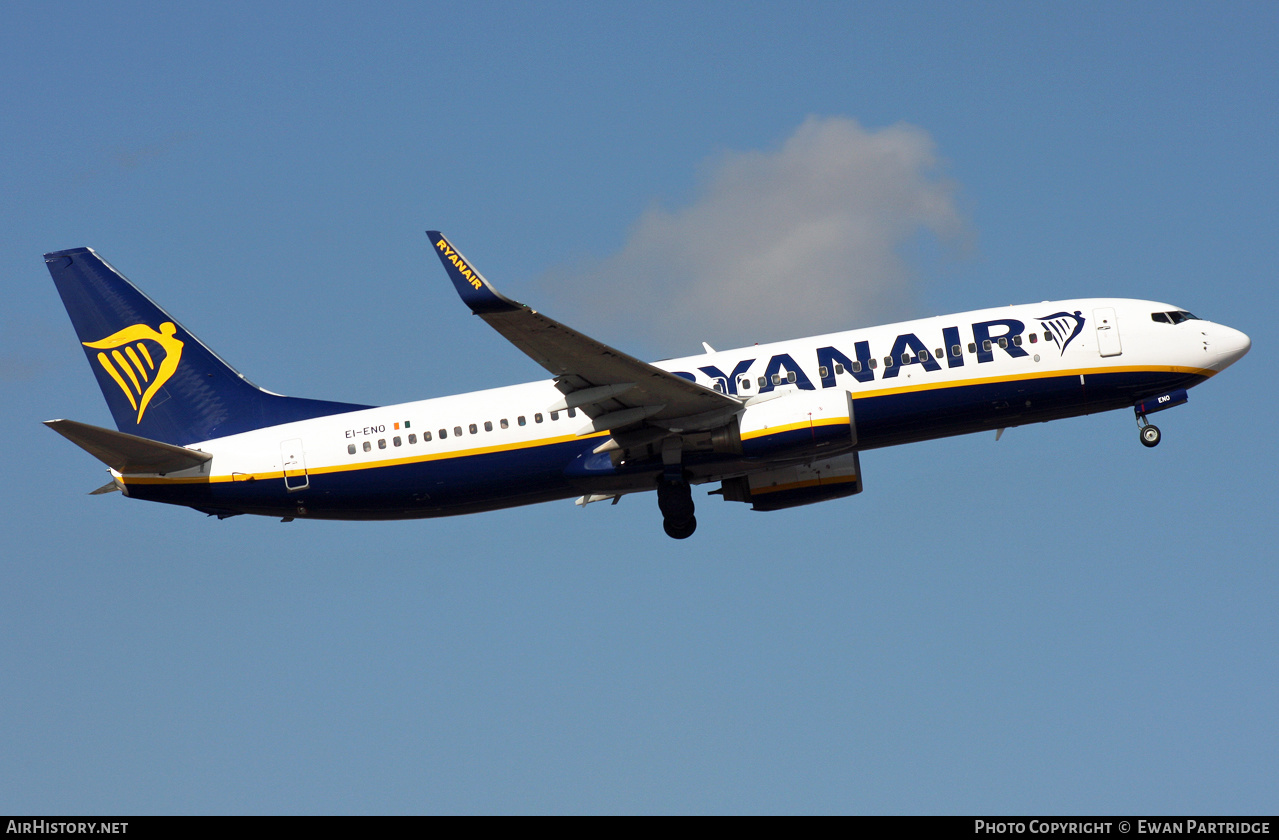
1001, 334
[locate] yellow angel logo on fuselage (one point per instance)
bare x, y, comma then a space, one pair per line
132, 364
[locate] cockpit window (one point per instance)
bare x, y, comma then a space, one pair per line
1160, 317
1172, 317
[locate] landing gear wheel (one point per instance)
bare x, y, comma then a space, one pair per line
1150, 436
680, 530
675, 498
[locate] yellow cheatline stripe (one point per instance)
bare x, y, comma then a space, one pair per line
464, 453
367, 465
1046, 374
119, 380
792, 427
961, 383
815, 482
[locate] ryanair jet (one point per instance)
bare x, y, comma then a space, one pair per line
775, 425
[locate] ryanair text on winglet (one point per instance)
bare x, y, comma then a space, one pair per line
456, 258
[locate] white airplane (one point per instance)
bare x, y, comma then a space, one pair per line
776, 425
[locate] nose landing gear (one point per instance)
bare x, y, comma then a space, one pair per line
1150, 435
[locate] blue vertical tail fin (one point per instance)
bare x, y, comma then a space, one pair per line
159, 380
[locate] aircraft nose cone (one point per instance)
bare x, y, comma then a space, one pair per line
1230, 345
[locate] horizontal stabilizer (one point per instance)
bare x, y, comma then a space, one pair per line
126, 453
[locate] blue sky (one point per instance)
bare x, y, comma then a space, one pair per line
1062, 621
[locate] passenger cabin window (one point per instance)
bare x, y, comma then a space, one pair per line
521, 420
457, 431
905, 358
572, 412
443, 434
368, 447
350, 449
956, 350
888, 361
790, 377
839, 367
396, 440
505, 425
777, 379
1017, 340
381, 443
473, 429
744, 384
985, 345
537, 418
1003, 343
426, 436
555, 415
488, 425
857, 366
1034, 337
412, 439
972, 348
874, 363
762, 382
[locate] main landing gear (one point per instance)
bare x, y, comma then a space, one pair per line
1150, 435
674, 496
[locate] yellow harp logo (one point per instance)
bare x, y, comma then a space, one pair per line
133, 365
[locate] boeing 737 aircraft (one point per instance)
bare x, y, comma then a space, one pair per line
775, 425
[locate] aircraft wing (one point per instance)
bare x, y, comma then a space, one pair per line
614, 389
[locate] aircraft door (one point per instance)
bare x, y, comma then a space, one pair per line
1107, 325
295, 477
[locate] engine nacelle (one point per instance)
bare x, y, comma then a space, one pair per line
798, 423
803, 484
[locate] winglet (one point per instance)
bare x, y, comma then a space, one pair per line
476, 292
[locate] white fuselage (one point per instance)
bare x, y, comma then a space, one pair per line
914, 380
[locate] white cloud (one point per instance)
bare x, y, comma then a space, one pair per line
805, 239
